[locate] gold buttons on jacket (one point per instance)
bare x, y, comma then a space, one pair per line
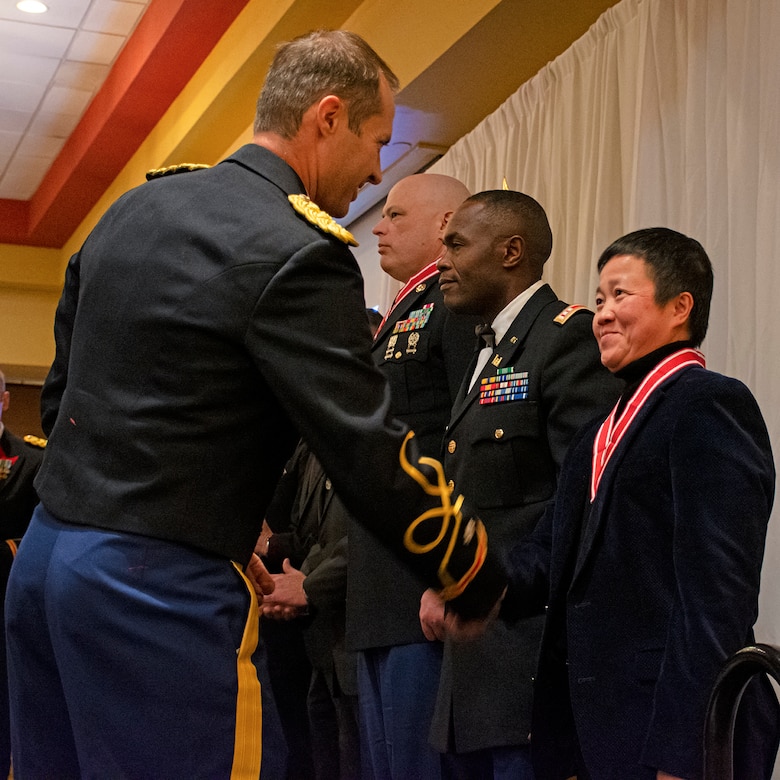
451, 485
451, 446
499, 433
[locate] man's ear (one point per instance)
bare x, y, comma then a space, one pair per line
445, 218
514, 251
331, 110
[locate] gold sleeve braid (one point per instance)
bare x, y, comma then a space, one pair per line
451, 521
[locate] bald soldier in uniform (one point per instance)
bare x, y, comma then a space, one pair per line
423, 350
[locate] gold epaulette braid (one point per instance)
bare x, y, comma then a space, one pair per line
169, 170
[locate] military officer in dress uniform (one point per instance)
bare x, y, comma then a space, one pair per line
209, 320
423, 350
20, 459
19, 463
536, 380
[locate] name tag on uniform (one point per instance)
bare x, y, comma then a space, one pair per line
506, 385
416, 320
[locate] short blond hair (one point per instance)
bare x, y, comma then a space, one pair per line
323, 62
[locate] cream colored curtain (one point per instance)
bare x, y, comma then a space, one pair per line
666, 112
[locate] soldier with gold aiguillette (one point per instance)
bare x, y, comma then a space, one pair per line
206, 324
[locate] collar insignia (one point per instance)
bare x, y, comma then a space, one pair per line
314, 214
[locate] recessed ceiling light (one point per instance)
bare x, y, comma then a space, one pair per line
32, 7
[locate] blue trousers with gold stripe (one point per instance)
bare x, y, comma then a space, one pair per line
129, 657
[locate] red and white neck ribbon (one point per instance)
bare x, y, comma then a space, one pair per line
421, 276
612, 431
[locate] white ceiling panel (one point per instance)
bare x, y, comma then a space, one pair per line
28, 69
51, 66
48, 124
8, 143
45, 146
95, 47
61, 13
81, 75
23, 177
36, 39
13, 121
21, 97
112, 16
65, 100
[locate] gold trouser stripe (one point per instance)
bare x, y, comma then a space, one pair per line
248, 747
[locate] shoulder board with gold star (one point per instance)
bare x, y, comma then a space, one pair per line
564, 316
321, 219
36, 441
157, 173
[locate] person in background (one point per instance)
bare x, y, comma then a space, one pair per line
423, 350
210, 319
648, 564
310, 591
535, 382
313, 677
20, 459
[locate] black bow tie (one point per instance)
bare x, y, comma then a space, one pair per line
485, 332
